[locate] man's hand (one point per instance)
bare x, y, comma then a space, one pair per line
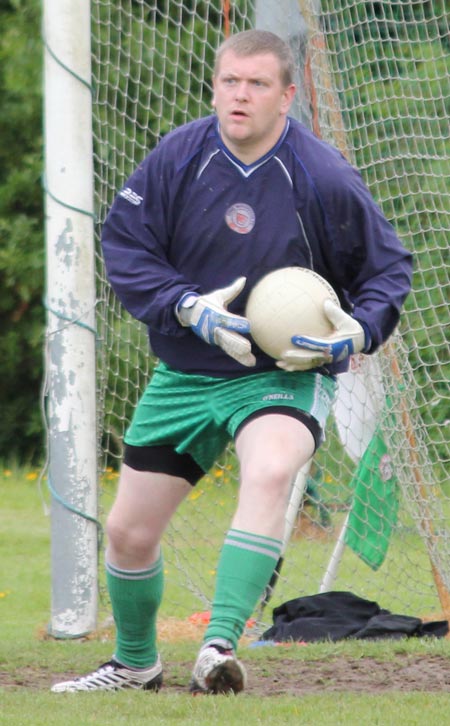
209, 318
346, 339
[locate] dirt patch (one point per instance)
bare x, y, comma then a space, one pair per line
367, 675
277, 676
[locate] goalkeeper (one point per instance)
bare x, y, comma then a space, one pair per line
219, 203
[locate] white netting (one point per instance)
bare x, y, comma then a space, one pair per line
374, 82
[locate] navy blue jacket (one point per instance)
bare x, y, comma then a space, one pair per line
192, 217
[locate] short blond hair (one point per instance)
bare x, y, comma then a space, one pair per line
257, 42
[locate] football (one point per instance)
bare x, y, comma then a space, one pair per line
288, 302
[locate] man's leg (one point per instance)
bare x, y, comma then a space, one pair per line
271, 449
143, 507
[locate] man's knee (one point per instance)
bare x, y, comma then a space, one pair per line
135, 540
271, 477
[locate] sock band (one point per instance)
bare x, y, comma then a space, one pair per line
135, 574
254, 542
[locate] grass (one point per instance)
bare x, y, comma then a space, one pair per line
26, 654
136, 708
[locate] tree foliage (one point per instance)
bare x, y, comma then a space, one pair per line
21, 230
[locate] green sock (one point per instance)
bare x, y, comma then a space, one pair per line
245, 567
135, 599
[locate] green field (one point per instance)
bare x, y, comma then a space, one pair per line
30, 661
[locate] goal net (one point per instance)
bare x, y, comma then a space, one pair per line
371, 513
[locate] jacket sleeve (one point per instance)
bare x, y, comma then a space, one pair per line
370, 263
135, 242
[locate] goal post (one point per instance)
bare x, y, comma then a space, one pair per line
70, 354
370, 77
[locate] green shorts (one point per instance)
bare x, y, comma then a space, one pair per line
198, 415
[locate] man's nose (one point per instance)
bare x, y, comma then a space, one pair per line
242, 91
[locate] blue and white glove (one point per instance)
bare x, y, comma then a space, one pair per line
209, 318
347, 338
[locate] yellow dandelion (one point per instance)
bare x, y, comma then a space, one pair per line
328, 479
195, 494
218, 473
31, 476
7, 472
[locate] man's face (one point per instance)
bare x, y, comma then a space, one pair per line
251, 103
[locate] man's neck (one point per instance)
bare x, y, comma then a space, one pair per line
250, 152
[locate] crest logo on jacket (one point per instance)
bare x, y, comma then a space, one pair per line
240, 218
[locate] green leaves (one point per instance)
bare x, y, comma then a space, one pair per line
21, 231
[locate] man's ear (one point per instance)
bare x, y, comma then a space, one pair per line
289, 94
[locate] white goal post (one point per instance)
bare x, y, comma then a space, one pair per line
371, 82
70, 350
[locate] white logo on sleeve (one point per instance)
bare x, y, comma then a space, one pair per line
131, 196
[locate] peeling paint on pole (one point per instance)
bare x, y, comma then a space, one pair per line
70, 362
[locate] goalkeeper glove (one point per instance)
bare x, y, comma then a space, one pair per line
347, 338
209, 318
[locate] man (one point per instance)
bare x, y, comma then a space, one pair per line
218, 204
